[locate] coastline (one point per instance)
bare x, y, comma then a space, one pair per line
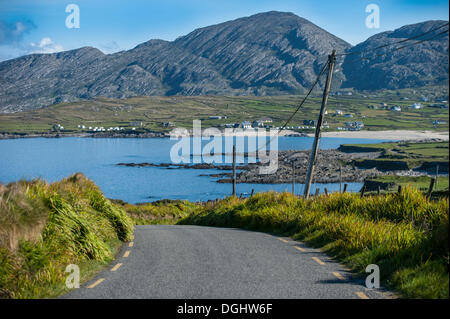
395, 135
399, 135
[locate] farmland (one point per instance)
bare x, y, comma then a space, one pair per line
181, 110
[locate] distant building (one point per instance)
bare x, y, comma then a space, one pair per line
310, 122
339, 112
354, 126
348, 115
246, 124
396, 108
167, 124
135, 123
416, 106
437, 122
265, 120
257, 123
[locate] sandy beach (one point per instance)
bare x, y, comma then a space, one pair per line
387, 135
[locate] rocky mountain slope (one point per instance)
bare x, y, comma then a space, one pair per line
415, 65
269, 53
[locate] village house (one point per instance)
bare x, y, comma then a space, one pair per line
310, 122
438, 122
266, 120
354, 126
246, 124
257, 123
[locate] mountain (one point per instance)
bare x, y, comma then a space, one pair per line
269, 53
415, 65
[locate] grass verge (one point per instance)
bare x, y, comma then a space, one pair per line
45, 227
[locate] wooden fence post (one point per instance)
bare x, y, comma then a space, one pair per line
234, 170
363, 190
430, 189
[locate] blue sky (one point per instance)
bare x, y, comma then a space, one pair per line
28, 26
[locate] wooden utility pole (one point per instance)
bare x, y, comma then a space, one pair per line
234, 170
437, 176
430, 189
293, 178
326, 91
345, 188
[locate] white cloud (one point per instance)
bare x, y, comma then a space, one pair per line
46, 45
110, 47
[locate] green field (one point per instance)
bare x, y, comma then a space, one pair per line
428, 156
421, 183
181, 110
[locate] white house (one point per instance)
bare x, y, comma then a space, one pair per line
416, 106
246, 124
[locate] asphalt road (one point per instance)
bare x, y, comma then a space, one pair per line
208, 262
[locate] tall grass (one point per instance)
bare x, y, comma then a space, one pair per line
44, 227
161, 212
405, 234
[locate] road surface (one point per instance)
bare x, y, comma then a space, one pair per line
206, 262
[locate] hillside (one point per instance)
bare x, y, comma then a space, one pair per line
418, 65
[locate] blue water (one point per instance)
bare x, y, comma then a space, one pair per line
53, 159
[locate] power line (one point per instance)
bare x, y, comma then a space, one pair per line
360, 59
299, 106
389, 44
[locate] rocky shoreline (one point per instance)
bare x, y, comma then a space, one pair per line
332, 166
